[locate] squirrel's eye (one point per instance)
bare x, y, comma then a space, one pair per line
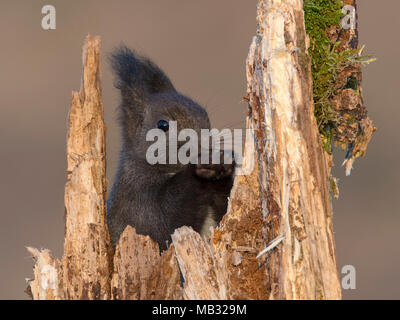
163, 125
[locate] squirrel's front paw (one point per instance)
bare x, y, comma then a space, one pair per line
216, 171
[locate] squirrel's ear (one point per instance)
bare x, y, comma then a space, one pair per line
137, 75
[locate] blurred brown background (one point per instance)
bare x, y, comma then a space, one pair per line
202, 45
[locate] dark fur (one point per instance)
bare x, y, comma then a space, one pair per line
157, 199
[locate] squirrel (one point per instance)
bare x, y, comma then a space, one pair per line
156, 199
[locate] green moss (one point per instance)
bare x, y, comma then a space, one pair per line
320, 15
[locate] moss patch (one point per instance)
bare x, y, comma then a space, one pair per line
327, 61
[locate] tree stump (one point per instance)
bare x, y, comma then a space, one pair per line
276, 240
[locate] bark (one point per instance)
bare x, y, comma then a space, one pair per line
276, 240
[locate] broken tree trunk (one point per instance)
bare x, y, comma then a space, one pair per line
283, 205
276, 240
87, 248
294, 174
86, 267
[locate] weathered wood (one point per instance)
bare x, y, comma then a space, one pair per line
294, 173
286, 196
47, 282
87, 262
87, 249
140, 272
204, 276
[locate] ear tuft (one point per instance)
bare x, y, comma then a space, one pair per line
138, 73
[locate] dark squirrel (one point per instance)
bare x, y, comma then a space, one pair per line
157, 199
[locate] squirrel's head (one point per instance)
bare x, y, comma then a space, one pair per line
150, 101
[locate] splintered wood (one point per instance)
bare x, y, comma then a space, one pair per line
85, 270
293, 171
87, 248
47, 282
140, 272
281, 208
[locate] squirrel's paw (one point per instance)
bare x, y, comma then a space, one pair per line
216, 171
